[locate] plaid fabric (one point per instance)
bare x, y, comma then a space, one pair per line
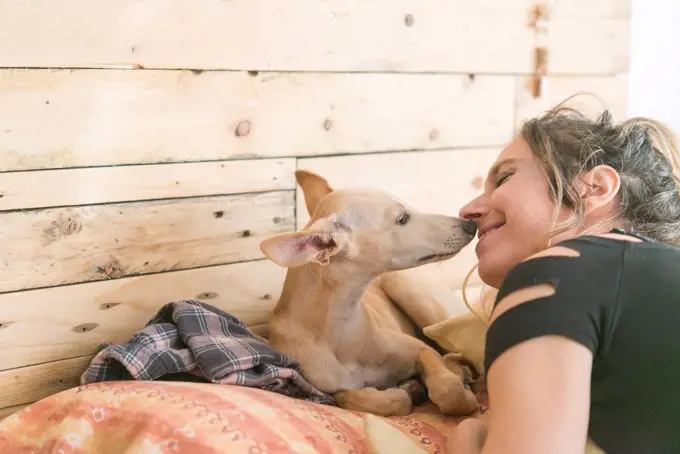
194, 341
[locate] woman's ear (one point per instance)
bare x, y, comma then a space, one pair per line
599, 187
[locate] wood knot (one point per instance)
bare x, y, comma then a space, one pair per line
242, 128
218, 214
477, 182
327, 124
253, 73
106, 306
245, 233
434, 134
85, 327
196, 72
277, 220
112, 269
207, 296
64, 225
266, 297
408, 20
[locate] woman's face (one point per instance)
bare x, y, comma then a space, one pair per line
515, 213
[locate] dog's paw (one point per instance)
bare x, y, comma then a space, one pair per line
400, 401
451, 395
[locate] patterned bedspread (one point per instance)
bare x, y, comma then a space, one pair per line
157, 417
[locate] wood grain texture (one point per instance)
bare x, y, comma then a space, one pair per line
330, 35
598, 93
66, 187
30, 384
69, 245
89, 118
438, 181
55, 323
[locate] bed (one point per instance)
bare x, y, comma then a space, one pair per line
131, 417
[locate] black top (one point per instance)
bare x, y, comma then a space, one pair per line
621, 300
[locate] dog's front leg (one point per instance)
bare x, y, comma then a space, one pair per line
445, 388
388, 402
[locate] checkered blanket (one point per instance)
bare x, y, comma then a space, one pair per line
194, 341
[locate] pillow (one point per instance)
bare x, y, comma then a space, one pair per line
386, 439
465, 334
135, 417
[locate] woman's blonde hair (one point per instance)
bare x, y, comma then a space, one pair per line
642, 151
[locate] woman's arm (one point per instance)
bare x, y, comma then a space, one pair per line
539, 393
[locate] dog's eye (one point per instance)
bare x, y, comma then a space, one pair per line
403, 219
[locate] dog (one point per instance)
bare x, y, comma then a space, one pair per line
349, 314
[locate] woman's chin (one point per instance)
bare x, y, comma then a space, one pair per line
490, 275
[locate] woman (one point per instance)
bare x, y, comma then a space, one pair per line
584, 340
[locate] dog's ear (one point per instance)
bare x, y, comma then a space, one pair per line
293, 249
314, 188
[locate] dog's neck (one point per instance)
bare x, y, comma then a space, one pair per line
326, 300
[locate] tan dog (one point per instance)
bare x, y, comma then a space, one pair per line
353, 328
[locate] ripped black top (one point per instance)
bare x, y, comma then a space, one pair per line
622, 301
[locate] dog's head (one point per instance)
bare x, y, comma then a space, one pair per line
368, 228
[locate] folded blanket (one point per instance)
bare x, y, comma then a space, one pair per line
194, 341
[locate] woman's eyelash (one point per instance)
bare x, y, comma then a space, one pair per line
502, 179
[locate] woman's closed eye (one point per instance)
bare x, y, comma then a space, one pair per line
502, 178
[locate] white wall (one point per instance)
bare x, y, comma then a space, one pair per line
654, 88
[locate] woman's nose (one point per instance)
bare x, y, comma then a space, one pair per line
475, 209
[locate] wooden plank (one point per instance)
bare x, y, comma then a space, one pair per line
63, 322
330, 35
591, 10
69, 245
89, 118
599, 93
66, 187
30, 384
601, 46
438, 181
9, 411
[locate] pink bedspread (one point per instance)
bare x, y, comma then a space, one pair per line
134, 417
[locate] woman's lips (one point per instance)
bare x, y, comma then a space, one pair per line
485, 234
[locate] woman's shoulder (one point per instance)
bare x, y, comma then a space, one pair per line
590, 259
615, 243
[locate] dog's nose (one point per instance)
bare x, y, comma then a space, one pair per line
469, 227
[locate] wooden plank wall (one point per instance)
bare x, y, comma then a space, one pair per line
146, 148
